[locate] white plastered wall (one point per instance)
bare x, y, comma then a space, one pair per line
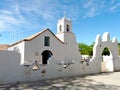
19, 48
10, 69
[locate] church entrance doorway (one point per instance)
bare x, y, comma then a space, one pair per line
46, 55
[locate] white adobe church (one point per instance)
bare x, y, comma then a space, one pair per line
46, 56
46, 45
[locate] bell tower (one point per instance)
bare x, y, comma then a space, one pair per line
65, 34
64, 30
64, 25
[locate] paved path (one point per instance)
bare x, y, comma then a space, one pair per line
104, 81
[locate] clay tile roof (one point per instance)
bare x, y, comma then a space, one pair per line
4, 46
35, 35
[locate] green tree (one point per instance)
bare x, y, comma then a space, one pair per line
91, 47
119, 47
88, 49
85, 49
106, 51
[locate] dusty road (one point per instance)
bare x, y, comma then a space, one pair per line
104, 81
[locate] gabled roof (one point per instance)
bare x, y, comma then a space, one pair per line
4, 46
36, 35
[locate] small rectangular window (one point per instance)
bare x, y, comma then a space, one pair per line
47, 41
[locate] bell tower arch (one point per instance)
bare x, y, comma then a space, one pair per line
64, 30
64, 25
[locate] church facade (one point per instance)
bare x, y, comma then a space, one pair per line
46, 45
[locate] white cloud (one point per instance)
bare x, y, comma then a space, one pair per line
93, 7
6, 12
112, 1
49, 10
92, 12
9, 19
114, 7
88, 4
12, 17
32, 13
44, 9
27, 13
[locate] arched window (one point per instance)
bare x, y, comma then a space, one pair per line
60, 28
67, 28
46, 55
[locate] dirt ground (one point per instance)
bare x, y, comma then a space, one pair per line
103, 81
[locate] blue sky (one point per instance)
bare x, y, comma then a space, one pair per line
22, 18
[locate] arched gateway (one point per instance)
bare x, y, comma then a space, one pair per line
102, 43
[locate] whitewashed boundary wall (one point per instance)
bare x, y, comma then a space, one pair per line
12, 72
